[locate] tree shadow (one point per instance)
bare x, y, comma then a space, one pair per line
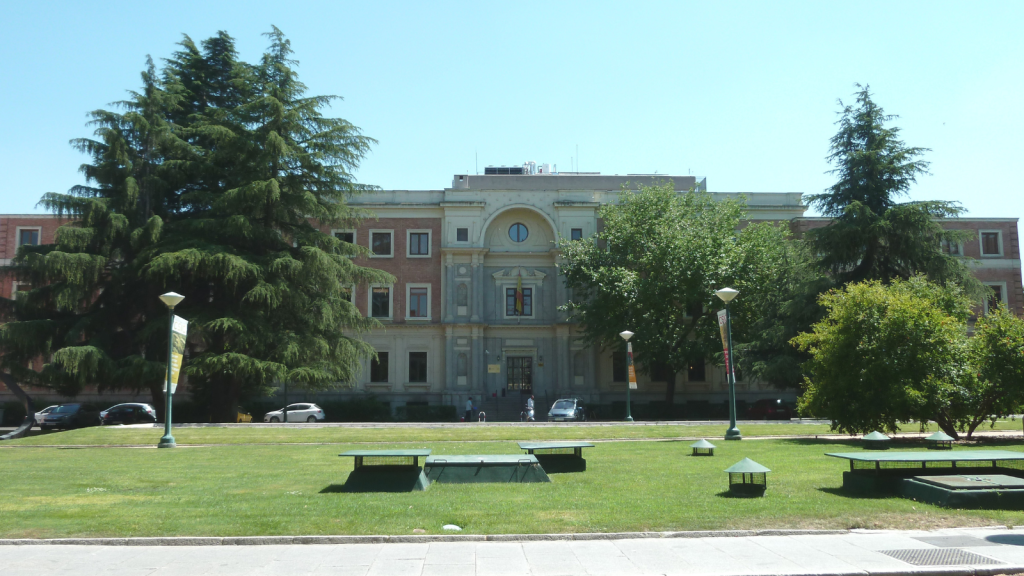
739, 495
852, 495
1008, 539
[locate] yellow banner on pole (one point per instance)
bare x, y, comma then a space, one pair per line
179, 329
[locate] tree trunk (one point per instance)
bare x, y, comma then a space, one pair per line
670, 392
947, 427
156, 394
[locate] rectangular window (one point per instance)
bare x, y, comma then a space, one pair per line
28, 237
695, 372
417, 366
349, 293
995, 299
990, 244
19, 288
380, 243
380, 302
418, 303
345, 236
419, 244
576, 234
462, 234
510, 302
379, 368
951, 248
619, 371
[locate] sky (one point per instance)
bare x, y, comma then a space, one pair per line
745, 94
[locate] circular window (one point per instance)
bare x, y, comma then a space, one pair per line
518, 232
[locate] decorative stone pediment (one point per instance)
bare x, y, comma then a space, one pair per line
516, 272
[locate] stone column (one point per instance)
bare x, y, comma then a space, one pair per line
449, 289
564, 368
477, 369
478, 289
450, 372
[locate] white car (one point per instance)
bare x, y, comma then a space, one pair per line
146, 407
42, 414
297, 413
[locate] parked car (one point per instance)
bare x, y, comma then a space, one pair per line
567, 410
128, 414
297, 413
147, 407
71, 416
770, 409
42, 414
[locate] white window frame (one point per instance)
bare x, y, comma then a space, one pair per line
355, 234
369, 238
1002, 294
468, 237
960, 247
981, 243
533, 300
391, 301
14, 288
352, 295
408, 243
17, 232
408, 292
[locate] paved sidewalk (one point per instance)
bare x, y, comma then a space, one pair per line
953, 552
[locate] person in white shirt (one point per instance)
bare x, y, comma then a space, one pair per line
469, 409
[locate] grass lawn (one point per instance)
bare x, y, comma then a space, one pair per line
265, 489
258, 434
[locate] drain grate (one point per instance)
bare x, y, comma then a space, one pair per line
939, 557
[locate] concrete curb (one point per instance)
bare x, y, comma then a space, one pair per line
403, 539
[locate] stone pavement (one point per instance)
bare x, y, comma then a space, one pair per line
976, 551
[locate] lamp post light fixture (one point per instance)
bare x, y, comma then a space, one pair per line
726, 295
171, 299
626, 335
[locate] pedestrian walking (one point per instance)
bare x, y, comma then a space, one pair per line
469, 409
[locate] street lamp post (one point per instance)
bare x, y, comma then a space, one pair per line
171, 299
626, 335
733, 433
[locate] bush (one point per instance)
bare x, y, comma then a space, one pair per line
418, 413
14, 413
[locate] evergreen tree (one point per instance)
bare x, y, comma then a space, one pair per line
209, 185
872, 236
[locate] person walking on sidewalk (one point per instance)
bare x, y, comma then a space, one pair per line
469, 409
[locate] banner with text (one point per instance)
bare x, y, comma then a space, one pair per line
632, 371
723, 327
179, 329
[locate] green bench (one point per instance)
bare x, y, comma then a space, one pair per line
386, 471
558, 456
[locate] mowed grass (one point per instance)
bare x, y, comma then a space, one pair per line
302, 434
290, 490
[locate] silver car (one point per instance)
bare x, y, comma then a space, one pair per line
42, 414
567, 410
301, 412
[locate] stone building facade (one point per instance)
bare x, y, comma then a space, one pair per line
458, 254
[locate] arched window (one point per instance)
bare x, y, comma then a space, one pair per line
518, 232
462, 295
462, 368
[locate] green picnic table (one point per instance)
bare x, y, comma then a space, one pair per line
565, 456
386, 470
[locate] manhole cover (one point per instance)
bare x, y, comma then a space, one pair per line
939, 557
955, 541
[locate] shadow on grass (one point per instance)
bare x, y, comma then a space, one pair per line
738, 495
381, 479
852, 495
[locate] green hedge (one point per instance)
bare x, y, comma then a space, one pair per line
414, 413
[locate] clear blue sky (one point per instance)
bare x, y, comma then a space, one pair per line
744, 93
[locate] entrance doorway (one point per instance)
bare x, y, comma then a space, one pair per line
519, 372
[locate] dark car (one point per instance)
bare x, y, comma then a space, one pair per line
71, 416
770, 409
128, 414
567, 410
